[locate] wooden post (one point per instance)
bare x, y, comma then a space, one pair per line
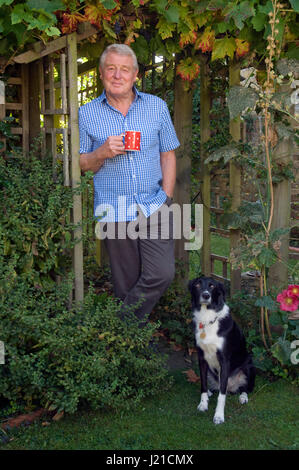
235, 181
183, 126
34, 108
2, 112
75, 167
205, 105
278, 273
25, 107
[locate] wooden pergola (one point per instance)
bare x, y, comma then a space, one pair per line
46, 76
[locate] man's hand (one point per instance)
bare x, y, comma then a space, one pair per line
113, 146
93, 161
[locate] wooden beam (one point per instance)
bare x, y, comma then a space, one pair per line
34, 107
2, 112
25, 110
75, 167
39, 49
235, 180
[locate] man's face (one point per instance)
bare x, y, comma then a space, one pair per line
118, 75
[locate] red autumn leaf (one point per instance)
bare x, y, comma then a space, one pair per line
206, 41
95, 14
70, 22
187, 38
242, 47
191, 376
188, 69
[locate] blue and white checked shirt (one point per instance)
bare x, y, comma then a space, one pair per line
133, 178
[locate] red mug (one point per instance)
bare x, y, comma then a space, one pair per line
132, 140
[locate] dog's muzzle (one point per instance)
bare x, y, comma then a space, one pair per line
205, 297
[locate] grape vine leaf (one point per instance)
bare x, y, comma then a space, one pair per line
223, 47
239, 99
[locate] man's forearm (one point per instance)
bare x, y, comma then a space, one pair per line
92, 161
168, 167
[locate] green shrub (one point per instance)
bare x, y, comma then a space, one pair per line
36, 232
61, 358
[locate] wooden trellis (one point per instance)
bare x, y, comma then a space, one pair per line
50, 97
44, 81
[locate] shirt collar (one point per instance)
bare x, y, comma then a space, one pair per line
103, 96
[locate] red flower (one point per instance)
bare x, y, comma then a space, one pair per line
293, 290
288, 302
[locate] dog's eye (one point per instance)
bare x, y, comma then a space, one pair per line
198, 284
212, 286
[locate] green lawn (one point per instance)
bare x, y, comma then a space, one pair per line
171, 421
219, 246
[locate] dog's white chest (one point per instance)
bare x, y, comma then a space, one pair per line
207, 337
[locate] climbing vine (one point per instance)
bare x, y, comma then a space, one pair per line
234, 29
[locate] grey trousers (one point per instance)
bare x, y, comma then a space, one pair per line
142, 264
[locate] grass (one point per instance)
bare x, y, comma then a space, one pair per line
171, 421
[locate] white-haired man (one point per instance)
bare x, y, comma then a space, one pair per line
132, 185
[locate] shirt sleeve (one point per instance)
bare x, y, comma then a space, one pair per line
168, 137
86, 143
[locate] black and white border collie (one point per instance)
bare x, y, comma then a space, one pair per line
224, 362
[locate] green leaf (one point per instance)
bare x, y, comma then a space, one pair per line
5, 2
227, 152
239, 99
172, 14
18, 14
278, 233
266, 302
46, 5
140, 47
295, 5
52, 31
224, 47
295, 332
109, 4
266, 8
282, 351
267, 257
259, 21
239, 13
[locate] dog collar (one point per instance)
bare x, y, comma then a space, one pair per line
202, 327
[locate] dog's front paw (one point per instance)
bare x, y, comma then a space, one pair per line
243, 398
218, 419
203, 406
204, 402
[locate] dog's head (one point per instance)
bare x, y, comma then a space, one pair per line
207, 291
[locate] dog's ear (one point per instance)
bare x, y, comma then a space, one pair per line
190, 284
222, 289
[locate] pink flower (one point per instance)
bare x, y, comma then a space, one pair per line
293, 290
288, 302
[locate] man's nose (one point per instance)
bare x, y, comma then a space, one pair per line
117, 73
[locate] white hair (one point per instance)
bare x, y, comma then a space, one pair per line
121, 49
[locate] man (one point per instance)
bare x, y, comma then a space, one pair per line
130, 183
